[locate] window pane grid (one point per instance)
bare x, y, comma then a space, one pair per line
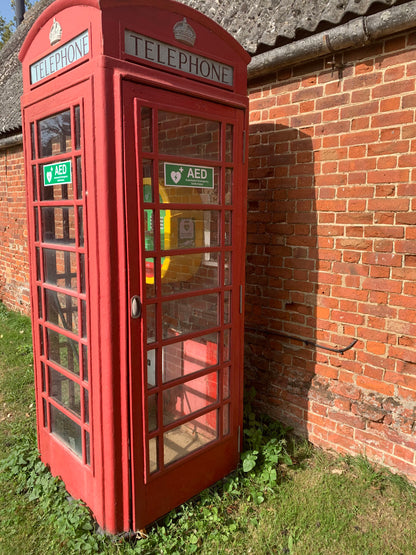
60, 256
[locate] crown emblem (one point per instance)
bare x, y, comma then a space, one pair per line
184, 33
55, 33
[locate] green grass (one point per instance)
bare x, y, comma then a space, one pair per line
287, 497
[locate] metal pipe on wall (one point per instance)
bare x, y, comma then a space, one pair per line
353, 34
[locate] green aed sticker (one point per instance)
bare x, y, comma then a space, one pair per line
183, 175
58, 173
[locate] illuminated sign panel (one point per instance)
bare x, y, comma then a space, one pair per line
152, 50
64, 56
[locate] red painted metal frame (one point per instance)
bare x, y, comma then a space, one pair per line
97, 83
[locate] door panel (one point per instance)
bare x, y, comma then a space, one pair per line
184, 201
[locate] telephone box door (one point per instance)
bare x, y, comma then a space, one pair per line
185, 228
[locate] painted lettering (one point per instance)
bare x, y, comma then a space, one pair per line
145, 48
67, 54
171, 57
148, 50
182, 60
193, 64
78, 49
160, 60
205, 68
225, 74
137, 39
216, 72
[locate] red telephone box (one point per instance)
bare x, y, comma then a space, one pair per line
134, 116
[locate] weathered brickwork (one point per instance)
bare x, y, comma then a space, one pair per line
332, 250
14, 263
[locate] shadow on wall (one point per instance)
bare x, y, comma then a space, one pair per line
281, 276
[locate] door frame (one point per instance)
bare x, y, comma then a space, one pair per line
151, 497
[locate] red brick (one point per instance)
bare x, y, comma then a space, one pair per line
388, 176
375, 385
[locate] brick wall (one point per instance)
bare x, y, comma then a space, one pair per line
14, 264
332, 250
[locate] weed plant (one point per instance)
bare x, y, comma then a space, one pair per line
285, 498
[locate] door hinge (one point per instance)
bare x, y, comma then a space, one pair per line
241, 299
244, 147
135, 307
239, 439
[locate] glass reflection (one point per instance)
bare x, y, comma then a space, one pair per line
187, 357
187, 438
55, 134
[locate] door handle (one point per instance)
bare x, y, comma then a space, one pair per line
135, 307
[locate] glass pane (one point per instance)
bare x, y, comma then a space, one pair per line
190, 272
85, 362
43, 376
86, 406
36, 220
226, 420
188, 229
149, 232
227, 344
66, 429
151, 368
227, 307
58, 225
63, 351
87, 448
229, 129
147, 166
188, 136
54, 134
153, 457
227, 268
41, 342
152, 412
64, 391
62, 310
45, 413
82, 272
208, 193
149, 264
187, 398
228, 186
190, 356
80, 227
189, 315
146, 127
64, 191
60, 268
84, 319
228, 228
79, 177
35, 182
77, 128
184, 440
38, 268
151, 323
226, 383
40, 302
32, 140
